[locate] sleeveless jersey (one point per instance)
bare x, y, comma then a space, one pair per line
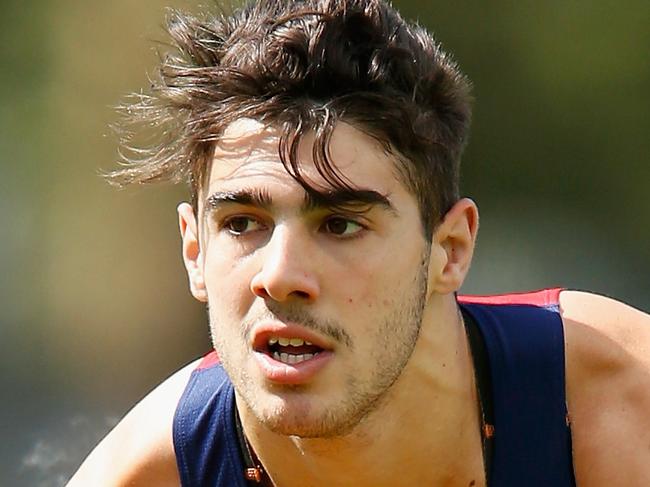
524, 340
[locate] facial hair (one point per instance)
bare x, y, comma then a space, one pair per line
394, 341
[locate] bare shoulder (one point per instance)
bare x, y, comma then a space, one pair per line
139, 451
605, 336
608, 389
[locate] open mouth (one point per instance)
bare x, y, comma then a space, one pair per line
289, 351
290, 354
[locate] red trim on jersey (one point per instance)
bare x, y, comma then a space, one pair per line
543, 297
209, 360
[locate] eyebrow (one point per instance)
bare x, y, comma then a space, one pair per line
353, 199
346, 198
249, 197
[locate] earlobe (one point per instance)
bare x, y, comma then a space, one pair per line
191, 248
453, 247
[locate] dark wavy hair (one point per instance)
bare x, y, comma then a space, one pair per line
302, 66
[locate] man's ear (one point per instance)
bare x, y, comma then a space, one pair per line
453, 242
192, 256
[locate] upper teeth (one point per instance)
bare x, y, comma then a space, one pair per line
294, 342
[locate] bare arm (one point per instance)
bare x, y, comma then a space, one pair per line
139, 451
608, 390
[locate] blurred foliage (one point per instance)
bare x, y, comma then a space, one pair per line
93, 303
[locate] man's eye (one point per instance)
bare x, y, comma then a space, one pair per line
239, 225
341, 226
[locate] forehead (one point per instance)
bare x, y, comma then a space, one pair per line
247, 155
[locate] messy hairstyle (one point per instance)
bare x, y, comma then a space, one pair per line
302, 66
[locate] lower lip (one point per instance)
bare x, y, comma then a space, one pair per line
292, 374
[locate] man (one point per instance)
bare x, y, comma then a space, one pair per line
322, 141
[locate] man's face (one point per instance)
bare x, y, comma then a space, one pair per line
314, 310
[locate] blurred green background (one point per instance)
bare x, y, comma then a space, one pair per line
94, 309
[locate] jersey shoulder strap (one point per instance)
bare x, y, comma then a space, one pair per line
524, 339
204, 432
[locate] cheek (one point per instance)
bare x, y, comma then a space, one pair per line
227, 282
366, 291
376, 278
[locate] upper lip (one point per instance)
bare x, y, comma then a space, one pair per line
265, 330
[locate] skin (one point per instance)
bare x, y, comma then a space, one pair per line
290, 259
253, 261
291, 265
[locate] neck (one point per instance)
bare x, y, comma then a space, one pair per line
430, 412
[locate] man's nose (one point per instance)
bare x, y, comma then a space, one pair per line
287, 268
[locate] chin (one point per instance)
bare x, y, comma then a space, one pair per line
307, 417
306, 427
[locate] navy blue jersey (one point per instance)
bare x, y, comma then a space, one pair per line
524, 341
